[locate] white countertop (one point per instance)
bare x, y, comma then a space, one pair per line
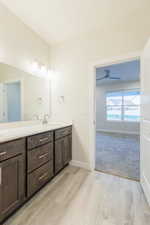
9, 134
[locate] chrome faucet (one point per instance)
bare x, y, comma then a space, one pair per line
36, 117
45, 119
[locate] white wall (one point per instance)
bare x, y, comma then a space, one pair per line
70, 62
145, 123
20, 46
101, 122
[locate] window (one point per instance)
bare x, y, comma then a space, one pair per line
123, 105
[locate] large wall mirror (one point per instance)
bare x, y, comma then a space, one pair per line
22, 96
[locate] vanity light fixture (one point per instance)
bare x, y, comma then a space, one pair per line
41, 70
35, 66
44, 70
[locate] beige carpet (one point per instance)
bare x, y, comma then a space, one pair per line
118, 154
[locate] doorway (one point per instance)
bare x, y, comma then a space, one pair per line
118, 119
10, 98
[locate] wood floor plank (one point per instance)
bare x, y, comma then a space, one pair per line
79, 197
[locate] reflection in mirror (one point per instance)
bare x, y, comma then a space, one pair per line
22, 96
10, 101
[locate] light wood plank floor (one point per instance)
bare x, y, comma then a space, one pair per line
78, 197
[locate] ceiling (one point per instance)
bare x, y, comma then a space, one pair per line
59, 20
128, 71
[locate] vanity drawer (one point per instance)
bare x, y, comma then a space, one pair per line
63, 132
39, 156
11, 149
39, 139
39, 177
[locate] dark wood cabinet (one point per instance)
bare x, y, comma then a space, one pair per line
39, 177
27, 164
62, 132
66, 150
39, 156
70, 146
11, 149
39, 139
63, 148
59, 155
12, 183
40, 165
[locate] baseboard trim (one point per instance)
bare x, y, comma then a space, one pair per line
116, 175
146, 187
116, 131
80, 164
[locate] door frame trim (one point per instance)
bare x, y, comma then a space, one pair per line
92, 94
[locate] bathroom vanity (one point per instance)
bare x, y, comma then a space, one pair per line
28, 160
33, 150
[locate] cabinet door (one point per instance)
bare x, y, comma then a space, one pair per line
12, 185
67, 143
59, 154
70, 147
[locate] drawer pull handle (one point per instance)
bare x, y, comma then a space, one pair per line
3, 153
42, 156
43, 176
44, 139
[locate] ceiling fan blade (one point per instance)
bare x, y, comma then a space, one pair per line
114, 78
101, 78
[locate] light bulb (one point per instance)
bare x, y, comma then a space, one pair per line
35, 66
43, 70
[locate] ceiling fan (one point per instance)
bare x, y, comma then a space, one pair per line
108, 76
